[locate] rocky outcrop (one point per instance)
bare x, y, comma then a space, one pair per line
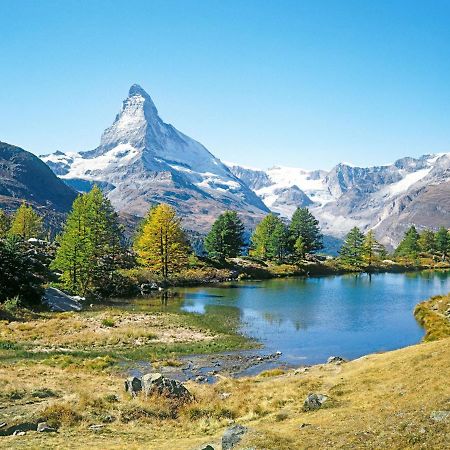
233, 436
157, 384
314, 401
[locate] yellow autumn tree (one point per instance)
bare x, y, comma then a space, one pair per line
161, 244
26, 223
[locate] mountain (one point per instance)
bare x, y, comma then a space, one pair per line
23, 176
142, 160
388, 199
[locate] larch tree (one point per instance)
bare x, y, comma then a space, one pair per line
372, 249
26, 223
226, 238
352, 251
161, 244
90, 246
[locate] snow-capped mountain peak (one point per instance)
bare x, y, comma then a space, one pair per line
142, 160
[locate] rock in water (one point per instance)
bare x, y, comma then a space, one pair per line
156, 383
133, 385
314, 401
233, 436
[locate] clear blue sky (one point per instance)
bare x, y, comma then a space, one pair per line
301, 83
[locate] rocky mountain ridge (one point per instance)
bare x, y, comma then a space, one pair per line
387, 199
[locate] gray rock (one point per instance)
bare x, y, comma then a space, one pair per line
57, 300
336, 360
233, 436
133, 385
42, 427
314, 401
439, 416
156, 383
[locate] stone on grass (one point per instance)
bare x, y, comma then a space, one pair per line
440, 416
314, 401
156, 383
133, 385
336, 360
43, 427
233, 436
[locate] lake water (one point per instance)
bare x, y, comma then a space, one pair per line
309, 319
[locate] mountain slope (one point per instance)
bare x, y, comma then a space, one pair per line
142, 161
23, 176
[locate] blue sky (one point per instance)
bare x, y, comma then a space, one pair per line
262, 83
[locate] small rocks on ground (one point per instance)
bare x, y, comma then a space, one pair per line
19, 433
440, 416
304, 425
43, 427
233, 436
314, 401
96, 427
224, 395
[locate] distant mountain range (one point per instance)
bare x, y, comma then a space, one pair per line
142, 161
388, 199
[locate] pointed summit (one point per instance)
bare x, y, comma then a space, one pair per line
136, 89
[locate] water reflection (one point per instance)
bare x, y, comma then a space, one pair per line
311, 318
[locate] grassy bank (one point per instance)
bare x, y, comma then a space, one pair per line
434, 316
112, 337
204, 272
374, 403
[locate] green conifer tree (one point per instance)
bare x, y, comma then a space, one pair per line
90, 248
409, 246
226, 238
352, 251
427, 242
5, 224
270, 240
305, 226
442, 242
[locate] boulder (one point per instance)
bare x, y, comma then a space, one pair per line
133, 385
58, 301
314, 401
156, 383
336, 360
233, 436
42, 427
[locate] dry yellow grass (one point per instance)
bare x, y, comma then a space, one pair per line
434, 316
380, 401
99, 329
